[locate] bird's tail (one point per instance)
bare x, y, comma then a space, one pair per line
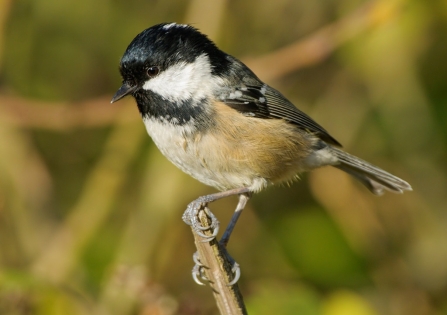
374, 178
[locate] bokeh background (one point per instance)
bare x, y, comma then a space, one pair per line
90, 212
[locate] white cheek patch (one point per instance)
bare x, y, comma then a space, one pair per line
183, 81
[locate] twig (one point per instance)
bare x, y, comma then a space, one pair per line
218, 271
319, 45
63, 116
60, 255
5, 9
302, 53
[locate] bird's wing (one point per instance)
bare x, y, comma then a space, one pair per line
262, 101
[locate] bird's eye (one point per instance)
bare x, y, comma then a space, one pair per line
152, 71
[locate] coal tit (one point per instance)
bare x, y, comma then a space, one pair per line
212, 117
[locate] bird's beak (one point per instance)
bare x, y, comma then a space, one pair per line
124, 90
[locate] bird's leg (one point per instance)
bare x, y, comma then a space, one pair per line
243, 199
190, 216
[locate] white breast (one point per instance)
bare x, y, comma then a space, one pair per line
191, 154
176, 144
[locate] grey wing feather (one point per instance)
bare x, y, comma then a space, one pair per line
262, 101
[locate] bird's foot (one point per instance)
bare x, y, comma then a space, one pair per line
198, 271
191, 217
235, 268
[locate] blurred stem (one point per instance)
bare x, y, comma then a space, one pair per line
147, 222
27, 186
218, 272
27, 113
95, 202
303, 53
206, 15
5, 6
319, 45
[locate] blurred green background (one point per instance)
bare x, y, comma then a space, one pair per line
90, 212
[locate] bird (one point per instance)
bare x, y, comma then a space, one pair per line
213, 118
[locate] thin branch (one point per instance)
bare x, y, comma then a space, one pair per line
94, 204
303, 53
319, 45
218, 271
63, 116
5, 9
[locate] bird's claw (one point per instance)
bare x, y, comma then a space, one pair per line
235, 268
198, 271
191, 217
236, 272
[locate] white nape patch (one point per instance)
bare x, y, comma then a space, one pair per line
262, 99
184, 81
168, 26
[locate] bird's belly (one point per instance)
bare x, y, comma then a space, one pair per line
201, 158
227, 159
